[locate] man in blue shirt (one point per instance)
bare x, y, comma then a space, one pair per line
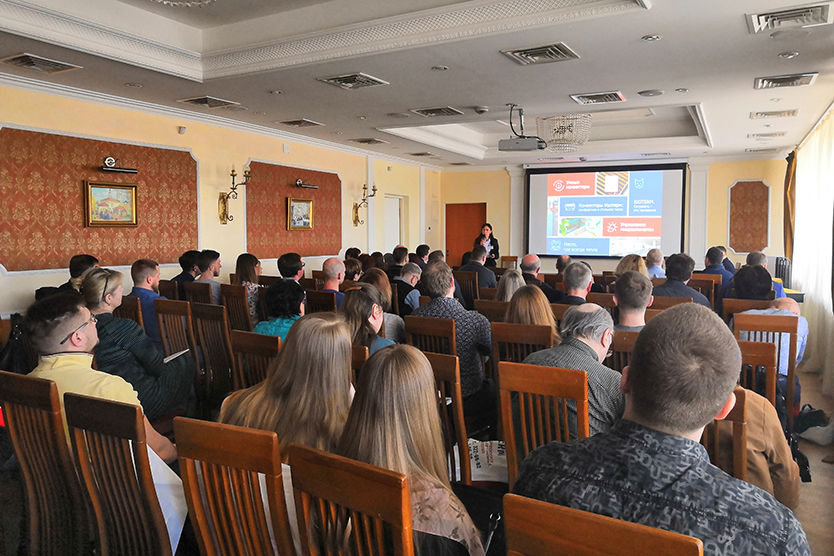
679, 269
145, 274
713, 265
654, 263
334, 274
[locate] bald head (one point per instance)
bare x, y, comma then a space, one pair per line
787, 304
530, 264
333, 269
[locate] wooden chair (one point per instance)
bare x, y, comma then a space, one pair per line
559, 310
706, 286
176, 327
358, 357
494, 311
431, 334
604, 300
542, 408
131, 309
169, 289
712, 437
58, 516
226, 503
658, 281
498, 271
446, 370
351, 502
254, 353
661, 302
267, 281
318, 276
599, 280
236, 301
309, 284
770, 329
534, 527
755, 356
652, 313
552, 279
346, 285
468, 286
424, 300
108, 439
198, 292
320, 302
514, 342
731, 306
509, 261
212, 325
621, 346
487, 293
717, 285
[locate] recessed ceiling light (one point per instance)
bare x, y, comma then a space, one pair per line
650, 38
776, 100
338, 132
439, 68
788, 55
259, 113
681, 90
134, 85
362, 117
276, 92
650, 93
768, 125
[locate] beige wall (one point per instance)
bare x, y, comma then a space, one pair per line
401, 181
490, 187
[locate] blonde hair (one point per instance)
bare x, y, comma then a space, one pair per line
509, 283
529, 306
305, 398
93, 282
631, 262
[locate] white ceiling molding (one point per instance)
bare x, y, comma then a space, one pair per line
432, 137
36, 22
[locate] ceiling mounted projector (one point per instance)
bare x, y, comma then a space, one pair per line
519, 141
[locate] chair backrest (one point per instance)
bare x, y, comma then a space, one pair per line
57, 513
661, 302
712, 437
509, 261
652, 313
108, 439
514, 342
318, 276
446, 370
226, 503
541, 414
198, 292
131, 309
705, 286
756, 356
309, 284
267, 281
559, 310
770, 329
431, 334
658, 281
731, 306
176, 326
351, 503
358, 357
320, 302
494, 311
498, 271
169, 289
395, 298
552, 279
534, 527
424, 300
487, 293
212, 325
621, 347
717, 284
254, 353
236, 301
604, 300
468, 287
346, 285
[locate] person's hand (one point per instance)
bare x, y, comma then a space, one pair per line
483, 241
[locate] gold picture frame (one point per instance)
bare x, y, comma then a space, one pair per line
109, 205
299, 214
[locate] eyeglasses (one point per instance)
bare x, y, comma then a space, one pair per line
104, 291
303, 264
93, 320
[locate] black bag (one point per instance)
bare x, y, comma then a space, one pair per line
15, 358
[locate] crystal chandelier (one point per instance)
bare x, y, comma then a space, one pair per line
564, 134
185, 3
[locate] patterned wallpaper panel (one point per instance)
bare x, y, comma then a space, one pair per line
42, 183
267, 195
749, 203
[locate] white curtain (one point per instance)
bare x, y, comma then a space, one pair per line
812, 255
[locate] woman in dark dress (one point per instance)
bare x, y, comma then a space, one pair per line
488, 240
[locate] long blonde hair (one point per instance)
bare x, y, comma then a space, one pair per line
306, 395
96, 283
509, 283
631, 262
529, 306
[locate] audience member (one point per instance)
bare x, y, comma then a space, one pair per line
394, 424
247, 271
633, 293
379, 260
757, 258
529, 306
353, 269
562, 262
654, 263
530, 266
679, 269
367, 261
752, 282
408, 296
125, 350
466, 258
352, 253
145, 275
595, 288
651, 468
400, 255
363, 312
334, 274
78, 265
486, 277
209, 263
578, 281
726, 262
436, 255
473, 336
388, 259
712, 264
510, 281
422, 251
63, 332
631, 262
291, 267
394, 324
587, 333
190, 270
284, 305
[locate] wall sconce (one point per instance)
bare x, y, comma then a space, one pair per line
223, 202
299, 183
362, 203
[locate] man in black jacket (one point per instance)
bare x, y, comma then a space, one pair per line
530, 266
486, 277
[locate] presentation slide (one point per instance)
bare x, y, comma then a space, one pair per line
605, 212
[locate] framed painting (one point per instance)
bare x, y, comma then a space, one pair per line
109, 204
299, 214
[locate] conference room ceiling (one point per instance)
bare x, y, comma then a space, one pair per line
270, 57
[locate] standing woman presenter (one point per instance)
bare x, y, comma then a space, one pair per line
490, 243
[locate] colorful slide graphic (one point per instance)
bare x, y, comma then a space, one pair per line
604, 213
